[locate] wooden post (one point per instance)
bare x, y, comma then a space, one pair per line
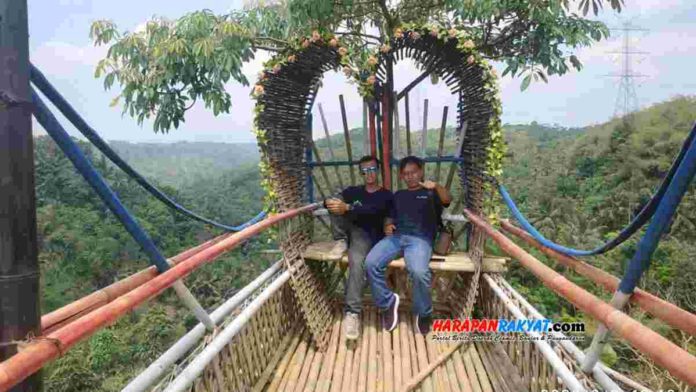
441, 143
346, 135
388, 115
328, 142
424, 134
308, 158
20, 312
373, 131
397, 139
408, 126
458, 154
366, 137
386, 161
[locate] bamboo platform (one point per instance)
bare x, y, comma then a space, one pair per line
383, 362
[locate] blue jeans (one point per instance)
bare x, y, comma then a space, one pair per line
417, 252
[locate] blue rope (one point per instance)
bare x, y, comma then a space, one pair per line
639, 221
83, 165
677, 188
71, 114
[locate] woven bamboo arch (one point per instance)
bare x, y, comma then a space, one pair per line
284, 95
466, 75
283, 100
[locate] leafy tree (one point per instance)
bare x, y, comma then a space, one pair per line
164, 69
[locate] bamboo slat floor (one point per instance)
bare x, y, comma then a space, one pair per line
383, 362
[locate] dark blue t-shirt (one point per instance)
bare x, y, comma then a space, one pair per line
417, 213
368, 210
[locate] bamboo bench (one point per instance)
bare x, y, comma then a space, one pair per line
455, 262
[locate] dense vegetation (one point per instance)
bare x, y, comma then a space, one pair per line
578, 186
84, 248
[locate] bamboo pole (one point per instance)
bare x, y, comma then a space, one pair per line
441, 143
372, 357
665, 353
424, 133
322, 169
328, 143
346, 135
408, 126
364, 351
665, 311
324, 382
458, 154
20, 310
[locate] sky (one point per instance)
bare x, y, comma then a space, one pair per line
61, 48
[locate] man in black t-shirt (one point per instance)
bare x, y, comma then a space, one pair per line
411, 228
358, 217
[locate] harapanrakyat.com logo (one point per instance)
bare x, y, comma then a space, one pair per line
506, 329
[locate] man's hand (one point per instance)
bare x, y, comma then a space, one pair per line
428, 184
389, 228
337, 207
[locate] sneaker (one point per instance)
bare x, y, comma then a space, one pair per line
340, 247
352, 325
423, 324
390, 317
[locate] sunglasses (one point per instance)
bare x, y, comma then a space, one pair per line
366, 170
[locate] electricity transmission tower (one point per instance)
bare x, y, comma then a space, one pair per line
626, 99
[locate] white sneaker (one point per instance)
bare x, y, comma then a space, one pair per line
340, 247
351, 324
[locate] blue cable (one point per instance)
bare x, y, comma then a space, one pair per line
647, 245
71, 114
96, 181
639, 221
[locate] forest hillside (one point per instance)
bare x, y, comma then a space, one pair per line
578, 186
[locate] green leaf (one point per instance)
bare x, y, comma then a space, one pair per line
525, 82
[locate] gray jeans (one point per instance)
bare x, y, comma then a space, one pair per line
359, 245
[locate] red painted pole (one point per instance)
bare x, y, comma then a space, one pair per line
386, 149
40, 351
373, 133
671, 357
665, 311
64, 315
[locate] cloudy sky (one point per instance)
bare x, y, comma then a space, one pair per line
61, 48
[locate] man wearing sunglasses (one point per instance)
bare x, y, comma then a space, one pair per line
411, 228
357, 221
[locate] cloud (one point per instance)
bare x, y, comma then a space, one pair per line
61, 58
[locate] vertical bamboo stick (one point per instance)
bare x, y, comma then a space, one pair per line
428, 385
372, 357
470, 369
322, 169
324, 382
481, 371
387, 362
441, 143
339, 366
438, 376
408, 125
366, 133
458, 154
364, 351
328, 143
406, 348
306, 366
461, 372
424, 133
346, 135
397, 131
396, 350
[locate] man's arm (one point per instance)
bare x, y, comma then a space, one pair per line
442, 192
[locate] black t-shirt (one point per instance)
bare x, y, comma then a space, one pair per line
368, 210
417, 213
